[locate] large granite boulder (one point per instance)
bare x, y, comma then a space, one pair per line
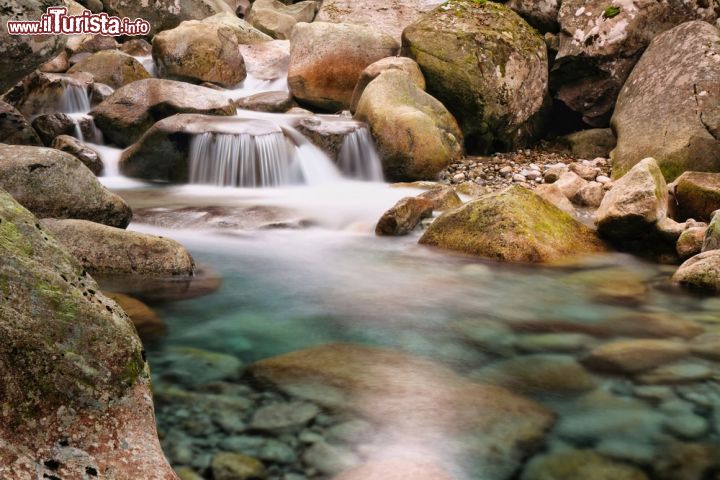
487, 66
79, 150
21, 54
326, 60
108, 250
54, 184
166, 14
670, 106
600, 42
697, 195
632, 210
514, 225
199, 52
131, 110
15, 129
80, 407
415, 134
277, 19
700, 272
414, 402
376, 14
111, 67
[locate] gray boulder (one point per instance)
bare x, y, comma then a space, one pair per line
14, 128
600, 42
701, 272
54, 184
670, 106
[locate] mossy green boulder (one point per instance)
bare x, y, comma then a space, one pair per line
487, 66
74, 375
111, 67
415, 134
514, 225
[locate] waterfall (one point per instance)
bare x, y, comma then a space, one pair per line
359, 158
85, 129
272, 159
242, 160
74, 99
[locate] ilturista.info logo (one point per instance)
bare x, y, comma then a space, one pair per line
56, 21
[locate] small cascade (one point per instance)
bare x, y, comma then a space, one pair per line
253, 85
242, 160
359, 158
85, 129
74, 99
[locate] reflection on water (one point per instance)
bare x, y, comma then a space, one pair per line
397, 361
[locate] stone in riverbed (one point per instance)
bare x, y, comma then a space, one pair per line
677, 373
673, 118
194, 367
578, 464
131, 110
408, 396
245, 33
63, 384
15, 129
235, 466
690, 242
326, 60
404, 216
329, 459
592, 143
697, 195
199, 52
538, 374
635, 356
554, 194
111, 67
79, 150
263, 448
701, 272
146, 321
443, 198
630, 212
590, 195
570, 183
711, 240
283, 417
415, 134
277, 19
108, 250
487, 66
514, 225
54, 184
273, 102
404, 64
706, 346
397, 469
40, 93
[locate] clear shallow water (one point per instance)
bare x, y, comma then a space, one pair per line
522, 327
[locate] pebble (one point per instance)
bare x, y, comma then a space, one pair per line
283, 417
330, 460
676, 373
687, 426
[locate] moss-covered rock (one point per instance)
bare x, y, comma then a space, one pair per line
415, 134
107, 250
111, 67
326, 60
514, 225
672, 117
131, 110
487, 66
75, 379
54, 184
199, 52
697, 195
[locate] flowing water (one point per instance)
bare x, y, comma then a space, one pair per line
309, 272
